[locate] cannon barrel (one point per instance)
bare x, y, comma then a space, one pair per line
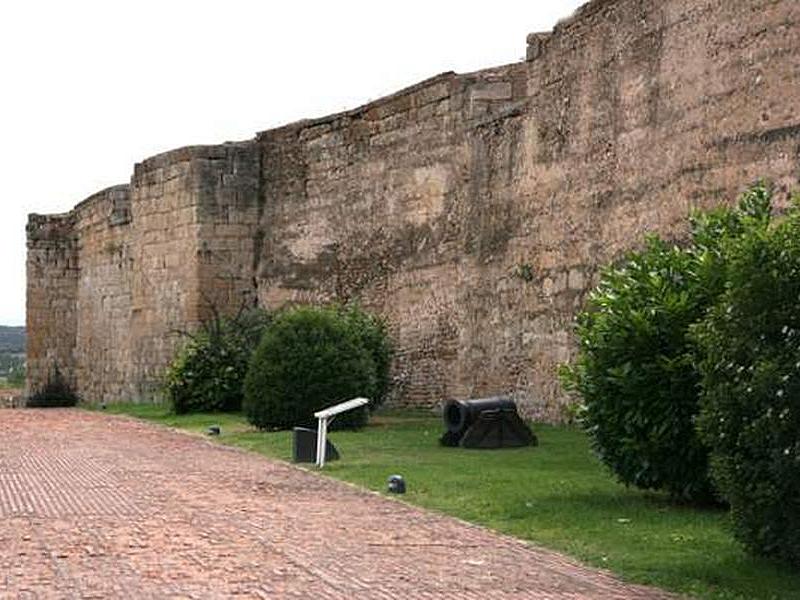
459, 415
485, 423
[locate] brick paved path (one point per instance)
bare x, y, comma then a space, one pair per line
94, 506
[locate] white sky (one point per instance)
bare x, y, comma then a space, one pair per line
88, 88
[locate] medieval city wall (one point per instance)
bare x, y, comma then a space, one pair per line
103, 293
114, 284
473, 210
52, 275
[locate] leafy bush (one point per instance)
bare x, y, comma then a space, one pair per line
635, 372
208, 372
309, 358
636, 367
372, 333
55, 393
750, 414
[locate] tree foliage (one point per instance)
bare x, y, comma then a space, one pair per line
635, 372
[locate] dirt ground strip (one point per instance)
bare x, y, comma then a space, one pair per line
95, 506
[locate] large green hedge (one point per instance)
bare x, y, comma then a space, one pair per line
686, 351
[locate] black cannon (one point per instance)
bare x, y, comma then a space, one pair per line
485, 423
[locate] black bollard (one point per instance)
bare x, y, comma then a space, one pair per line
396, 484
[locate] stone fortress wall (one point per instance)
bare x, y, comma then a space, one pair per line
473, 210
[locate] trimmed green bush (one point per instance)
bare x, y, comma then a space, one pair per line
208, 372
750, 415
55, 393
309, 358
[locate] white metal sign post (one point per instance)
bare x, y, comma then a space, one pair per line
327, 414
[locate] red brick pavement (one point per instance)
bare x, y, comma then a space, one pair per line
94, 506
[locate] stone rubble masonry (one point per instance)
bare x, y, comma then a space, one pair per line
472, 210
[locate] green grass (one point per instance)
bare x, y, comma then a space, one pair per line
5, 384
556, 495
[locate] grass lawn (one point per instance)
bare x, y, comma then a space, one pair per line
5, 384
556, 495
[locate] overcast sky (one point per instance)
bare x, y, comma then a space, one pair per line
89, 88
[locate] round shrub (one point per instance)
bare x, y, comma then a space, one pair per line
372, 333
309, 358
208, 372
751, 389
635, 372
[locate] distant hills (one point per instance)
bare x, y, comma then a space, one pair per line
12, 340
